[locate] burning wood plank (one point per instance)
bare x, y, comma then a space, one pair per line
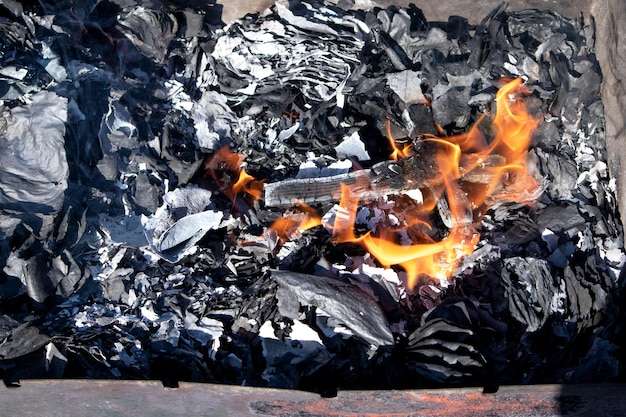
388, 177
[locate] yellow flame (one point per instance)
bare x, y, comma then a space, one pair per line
513, 126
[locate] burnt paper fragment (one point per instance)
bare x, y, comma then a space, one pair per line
408, 86
345, 302
56, 361
293, 357
319, 74
444, 352
65, 274
147, 192
7, 324
531, 290
33, 162
31, 270
601, 364
181, 222
213, 120
450, 107
117, 129
22, 340
587, 294
151, 31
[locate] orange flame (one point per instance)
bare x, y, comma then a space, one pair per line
223, 166
247, 184
512, 127
397, 153
513, 123
288, 227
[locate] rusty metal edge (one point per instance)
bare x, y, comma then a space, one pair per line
66, 398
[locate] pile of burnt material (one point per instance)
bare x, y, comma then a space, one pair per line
315, 197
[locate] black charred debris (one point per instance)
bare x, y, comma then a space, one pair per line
121, 258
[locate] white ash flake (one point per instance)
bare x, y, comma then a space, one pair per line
352, 146
370, 216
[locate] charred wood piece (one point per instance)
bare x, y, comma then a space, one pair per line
384, 178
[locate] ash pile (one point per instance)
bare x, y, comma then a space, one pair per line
186, 200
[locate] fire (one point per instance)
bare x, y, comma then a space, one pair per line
512, 127
432, 259
286, 228
397, 153
247, 184
224, 166
503, 138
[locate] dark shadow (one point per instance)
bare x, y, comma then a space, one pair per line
607, 369
212, 8
589, 400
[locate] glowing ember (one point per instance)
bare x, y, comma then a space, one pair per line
513, 127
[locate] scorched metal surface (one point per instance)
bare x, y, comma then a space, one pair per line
112, 398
